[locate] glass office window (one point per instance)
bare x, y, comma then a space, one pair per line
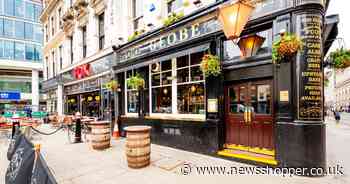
19, 29
8, 50
38, 34
30, 11
37, 12
1, 7
1, 26
19, 8
1, 49
19, 51
30, 52
8, 28
37, 53
9, 7
29, 31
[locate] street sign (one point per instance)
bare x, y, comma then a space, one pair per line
10, 95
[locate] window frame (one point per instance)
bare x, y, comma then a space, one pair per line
177, 10
127, 113
174, 87
101, 31
84, 41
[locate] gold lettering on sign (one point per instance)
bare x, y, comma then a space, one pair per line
183, 34
311, 91
172, 38
195, 30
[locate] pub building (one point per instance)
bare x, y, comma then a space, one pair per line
85, 89
210, 115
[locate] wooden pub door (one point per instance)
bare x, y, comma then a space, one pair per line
249, 117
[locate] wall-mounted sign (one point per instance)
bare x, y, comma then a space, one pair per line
82, 71
168, 39
213, 105
10, 95
284, 96
310, 90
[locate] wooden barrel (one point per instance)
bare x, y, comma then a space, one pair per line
100, 134
138, 146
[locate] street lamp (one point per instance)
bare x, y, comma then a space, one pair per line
250, 45
234, 17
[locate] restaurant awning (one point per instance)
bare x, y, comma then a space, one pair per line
330, 32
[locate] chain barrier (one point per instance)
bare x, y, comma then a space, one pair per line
44, 133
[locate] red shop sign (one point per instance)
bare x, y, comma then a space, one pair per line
82, 71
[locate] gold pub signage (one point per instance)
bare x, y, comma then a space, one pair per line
310, 75
168, 39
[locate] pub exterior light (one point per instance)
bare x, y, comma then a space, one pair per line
234, 17
250, 45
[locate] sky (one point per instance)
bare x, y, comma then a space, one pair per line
341, 7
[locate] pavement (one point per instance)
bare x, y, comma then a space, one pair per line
80, 164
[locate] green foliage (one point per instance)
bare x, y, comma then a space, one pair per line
172, 18
340, 58
136, 82
287, 46
135, 35
210, 65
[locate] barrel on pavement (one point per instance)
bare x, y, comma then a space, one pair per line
100, 134
138, 146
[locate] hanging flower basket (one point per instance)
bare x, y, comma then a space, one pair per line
326, 82
136, 82
172, 18
210, 65
286, 47
340, 58
135, 35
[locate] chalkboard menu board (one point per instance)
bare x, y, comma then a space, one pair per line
309, 68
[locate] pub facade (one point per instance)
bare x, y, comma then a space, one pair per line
256, 110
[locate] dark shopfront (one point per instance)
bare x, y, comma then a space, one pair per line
89, 96
255, 110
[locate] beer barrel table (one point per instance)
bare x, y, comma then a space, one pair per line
100, 134
138, 146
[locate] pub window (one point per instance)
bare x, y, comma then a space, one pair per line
132, 95
190, 84
182, 94
161, 87
231, 51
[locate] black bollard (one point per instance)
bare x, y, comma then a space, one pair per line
14, 125
78, 130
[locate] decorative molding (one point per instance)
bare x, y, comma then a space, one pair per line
81, 12
49, 6
98, 5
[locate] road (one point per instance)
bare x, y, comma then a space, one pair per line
338, 145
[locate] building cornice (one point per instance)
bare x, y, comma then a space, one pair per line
49, 6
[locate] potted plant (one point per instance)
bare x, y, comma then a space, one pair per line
210, 65
287, 46
136, 82
172, 18
340, 58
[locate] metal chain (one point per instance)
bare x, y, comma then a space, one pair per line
44, 133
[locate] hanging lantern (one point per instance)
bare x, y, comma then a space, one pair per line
193, 89
97, 98
234, 17
90, 98
250, 45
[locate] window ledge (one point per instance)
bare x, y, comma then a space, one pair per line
184, 117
